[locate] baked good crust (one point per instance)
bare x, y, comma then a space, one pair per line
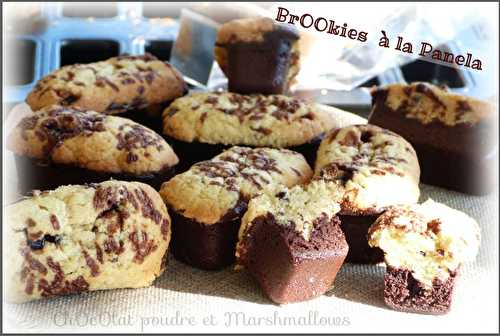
367, 162
116, 85
210, 189
91, 140
428, 103
254, 120
83, 238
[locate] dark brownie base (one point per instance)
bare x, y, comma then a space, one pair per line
209, 247
190, 153
39, 175
261, 67
355, 229
460, 158
454, 171
404, 293
289, 268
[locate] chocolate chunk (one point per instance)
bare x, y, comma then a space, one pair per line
30, 222
54, 222
60, 285
147, 206
141, 245
91, 263
263, 130
131, 157
99, 255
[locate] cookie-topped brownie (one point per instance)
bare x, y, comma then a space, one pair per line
374, 168
424, 246
454, 135
292, 243
138, 87
208, 200
258, 55
205, 123
63, 145
85, 237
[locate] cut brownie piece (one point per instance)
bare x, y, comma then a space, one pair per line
292, 242
424, 246
452, 134
258, 55
374, 168
209, 199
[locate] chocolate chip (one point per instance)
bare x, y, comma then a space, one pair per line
131, 157
149, 77
91, 263
142, 246
30, 222
59, 285
99, 255
54, 222
171, 111
366, 136
128, 81
434, 226
263, 130
203, 116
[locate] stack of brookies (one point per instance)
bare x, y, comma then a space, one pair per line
87, 236
72, 137
296, 228
261, 59
454, 135
210, 198
373, 168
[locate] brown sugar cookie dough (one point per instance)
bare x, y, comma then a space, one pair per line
424, 246
63, 145
374, 168
292, 243
83, 238
138, 87
208, 200
258, 55
203, 124
454, 135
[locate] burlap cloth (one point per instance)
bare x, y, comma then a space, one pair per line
185, 299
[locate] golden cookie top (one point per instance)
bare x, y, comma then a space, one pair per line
367, 162
211, 189
428, 103
91, 140
119, 84
429, 239
75, 238
299, 207
255, 120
